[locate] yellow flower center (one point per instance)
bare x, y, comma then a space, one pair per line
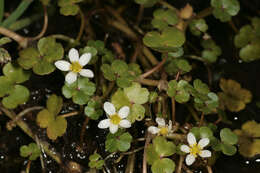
195, 149
75, 67
115, 119
163, 131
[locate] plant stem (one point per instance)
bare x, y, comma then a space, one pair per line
81, 25
193, 113
19, 24
2, 10
108, 91
64, 38
173, 109
166, 4
149, 56
204, 13
157, 67
70, 114
23, 41
209, 169
28, 166
180, 164
45, 145
201, 119
147, 141
12, 123
83, 130
16, 13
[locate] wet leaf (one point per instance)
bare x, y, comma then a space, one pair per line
198, 26
93, 109
4, 40
228, 149
178, 90
137, 112
177, 65
233, 97
119, 99
5, 85
57, 127
4, 56
69, 7
164, 147
15, 73
118, 141
228, 137
211, 51
54, 104
95, 161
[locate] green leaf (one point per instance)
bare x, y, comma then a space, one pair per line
108, 72
197, 26
17, 95
152, 155
69, 10
200, 86
136, 94
44, 118
4, 40
54, 104
93, 109
32, 151
15, 73
4, 56
118, 141
119, 99
164, 165
57, 128
119, 67
228, 137
163, 147
228, 149
147, 3
168, 16
5, 85
205, 132
28, 58
137, 112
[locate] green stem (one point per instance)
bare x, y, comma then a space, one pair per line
204, 13
19, 24
2, 9
56, 156
193, 113
17, 13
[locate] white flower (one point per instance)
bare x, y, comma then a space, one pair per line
162, 128
115, 120
195, 149
76, 66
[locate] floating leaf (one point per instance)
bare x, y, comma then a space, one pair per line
211, 51
228, 137
93, 109
32, 151
69, 7
137, 112
54, 104
95, 161
198, 26
163, 147
177, 65
119, 99
15, 73
57, 127
178, 90
164, 165
233, 97
228, 149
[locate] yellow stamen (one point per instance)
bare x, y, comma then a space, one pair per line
195, 149
163, 131
75, 67
115, 119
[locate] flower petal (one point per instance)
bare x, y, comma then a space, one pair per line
205, 153
113, 128
73, 55
125, 124
104, 124
154, 130
86, 73
123, 112
62, 65
84, 59
185, 148
191, 139
160, 121
203, 142
71, 77
109, 108
189, 159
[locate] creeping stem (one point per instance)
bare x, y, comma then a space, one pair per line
2, 9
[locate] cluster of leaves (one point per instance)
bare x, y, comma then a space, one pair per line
121, 72
233, 97
211, 51
4, 55
249, 142
95, 161
32, 151
157, 154
133, 96
120, 141
225, 9
69, 7
168, 37
248, 40
227, 138
13, 93
48, 118
204, 100
80, 91
41, 60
